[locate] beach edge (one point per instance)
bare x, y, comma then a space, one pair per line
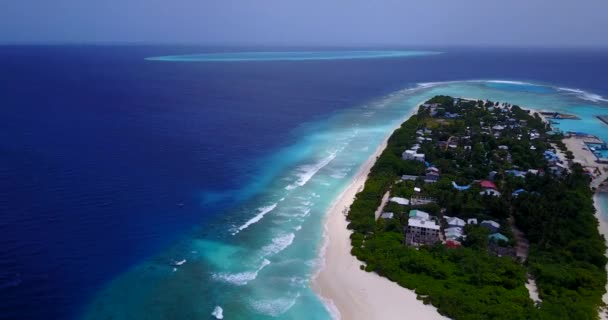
348, 291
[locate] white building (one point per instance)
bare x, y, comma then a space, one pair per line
387, 215
421, 232
418, 214
401, 201
455, 222
490, 192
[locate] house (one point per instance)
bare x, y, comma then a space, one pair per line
498, 127
471, 221
550, 155
432, 169
503, 147
453, 233
496, 237
417, 200
490, 192
416, 189
491, 225
517, 192
421, 232
558, 171
454, 221
408, 155
418, 214
401, 201
387, 215
412, 155
452, 244
487, 184
516, 173
408, 178
419, 157
431, 178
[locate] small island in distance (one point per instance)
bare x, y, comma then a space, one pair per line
484, 211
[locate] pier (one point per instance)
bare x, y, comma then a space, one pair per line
604, 119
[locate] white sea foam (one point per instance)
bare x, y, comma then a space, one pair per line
274, 307
241, 278
304, 213
298, 228
299, 282
180, 262
427, 85
261, 212
306, 172
340, 173
278, 244
218, 312
331, 307
510, 82
585, 95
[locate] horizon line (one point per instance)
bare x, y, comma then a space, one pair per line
411, 46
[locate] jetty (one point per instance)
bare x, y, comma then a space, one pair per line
603, 118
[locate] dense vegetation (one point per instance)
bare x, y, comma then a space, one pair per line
567, 255
469, 282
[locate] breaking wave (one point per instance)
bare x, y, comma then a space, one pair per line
278, 244
262, 211
241, 278
584, 95
274, 307
306, 172
218, 312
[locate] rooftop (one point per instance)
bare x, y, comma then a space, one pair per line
422, 223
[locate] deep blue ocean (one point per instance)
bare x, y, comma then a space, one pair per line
111, 164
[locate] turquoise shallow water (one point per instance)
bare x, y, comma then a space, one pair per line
290, 56
259, 266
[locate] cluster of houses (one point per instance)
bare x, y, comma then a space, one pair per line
432, 175
423, 229
454, 232
556, 165
412, 153
436, 110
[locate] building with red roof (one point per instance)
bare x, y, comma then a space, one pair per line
487, 184
452, 244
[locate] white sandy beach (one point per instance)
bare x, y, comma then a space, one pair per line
355, 293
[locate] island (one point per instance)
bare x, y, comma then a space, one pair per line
481, 209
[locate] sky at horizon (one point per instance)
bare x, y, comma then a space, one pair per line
520, 23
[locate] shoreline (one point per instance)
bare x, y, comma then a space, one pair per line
348, 291
602, 227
